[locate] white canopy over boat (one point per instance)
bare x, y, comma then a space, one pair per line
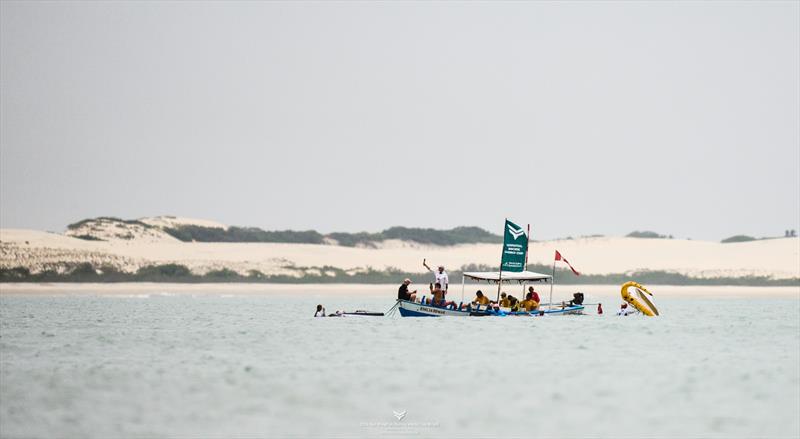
494, 276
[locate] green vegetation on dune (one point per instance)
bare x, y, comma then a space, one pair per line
87, 237
16, 274
647, 234
738, 238
80, 223
85, 272
746, 238
458, 235
189, 233
455, 236
164, 271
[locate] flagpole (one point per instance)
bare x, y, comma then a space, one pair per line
552, 281
527, 247
500, 277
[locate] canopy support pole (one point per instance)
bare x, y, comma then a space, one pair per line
552, 281
527, 251
499, 283
462, 286
527, 247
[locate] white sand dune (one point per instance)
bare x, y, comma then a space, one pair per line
778, 258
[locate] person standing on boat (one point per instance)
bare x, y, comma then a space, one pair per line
440, 275
404, 294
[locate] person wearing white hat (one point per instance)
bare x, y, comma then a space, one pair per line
440, 275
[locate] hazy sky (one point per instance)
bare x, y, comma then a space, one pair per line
579, 118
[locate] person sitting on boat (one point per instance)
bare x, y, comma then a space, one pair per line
504, 301
577, 299
404, 294
531, 302
480, 299
526, 304
320, 311
438, 296
534, 295
513, 303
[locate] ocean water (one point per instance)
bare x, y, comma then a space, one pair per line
222, 364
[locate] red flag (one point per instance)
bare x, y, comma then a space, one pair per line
561, 258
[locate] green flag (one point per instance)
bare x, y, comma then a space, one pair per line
515, 248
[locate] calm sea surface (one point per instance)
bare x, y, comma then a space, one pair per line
169, 364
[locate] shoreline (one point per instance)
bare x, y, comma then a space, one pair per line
366, 290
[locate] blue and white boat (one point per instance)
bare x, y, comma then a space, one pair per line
513, 268
408, 308
416, 309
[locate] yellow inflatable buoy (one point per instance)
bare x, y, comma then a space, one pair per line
640, 301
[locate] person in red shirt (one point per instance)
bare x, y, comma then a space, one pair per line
534, 294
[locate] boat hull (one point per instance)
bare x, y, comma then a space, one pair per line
414, 309
569, 310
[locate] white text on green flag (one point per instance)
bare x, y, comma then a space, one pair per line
515, 247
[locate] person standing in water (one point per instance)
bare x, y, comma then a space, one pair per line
625, 310
320, 311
